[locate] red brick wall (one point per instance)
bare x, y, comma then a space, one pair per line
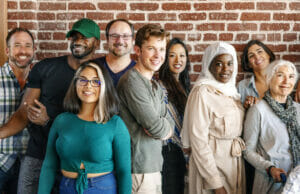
198, 23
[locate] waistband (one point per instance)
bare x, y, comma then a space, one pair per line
82, 182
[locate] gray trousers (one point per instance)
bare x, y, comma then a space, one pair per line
29, 175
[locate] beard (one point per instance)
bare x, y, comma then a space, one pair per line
14, 61
80, 55
119, 53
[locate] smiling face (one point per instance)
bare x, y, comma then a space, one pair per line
258, 58
120, 39
282, 83
20, 50
87, 92
151, 55
222, 67
81, 46
177, 59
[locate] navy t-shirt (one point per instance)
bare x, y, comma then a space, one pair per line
114, 76
53, 77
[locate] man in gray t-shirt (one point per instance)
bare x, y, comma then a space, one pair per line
144, 111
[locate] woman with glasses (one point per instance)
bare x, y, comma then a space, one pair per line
89, 143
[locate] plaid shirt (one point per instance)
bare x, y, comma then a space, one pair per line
10, 99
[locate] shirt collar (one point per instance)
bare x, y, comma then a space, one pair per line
251, 83
8, 70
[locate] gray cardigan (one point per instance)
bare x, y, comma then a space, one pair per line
142, 108
267, 143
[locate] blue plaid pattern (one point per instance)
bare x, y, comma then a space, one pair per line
10, 99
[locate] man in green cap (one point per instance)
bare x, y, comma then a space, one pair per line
48, 82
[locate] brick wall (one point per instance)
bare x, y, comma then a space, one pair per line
198, 23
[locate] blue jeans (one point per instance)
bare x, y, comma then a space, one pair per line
105, 184
9, 179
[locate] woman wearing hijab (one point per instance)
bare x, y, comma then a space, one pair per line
272, 130
212, 125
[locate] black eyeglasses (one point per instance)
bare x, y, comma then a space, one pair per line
84, 82
123, 36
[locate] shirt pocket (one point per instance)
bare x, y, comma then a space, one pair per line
225, 124
218, 124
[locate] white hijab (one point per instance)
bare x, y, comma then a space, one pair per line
213, 50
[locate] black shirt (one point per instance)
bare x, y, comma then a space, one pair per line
53, 77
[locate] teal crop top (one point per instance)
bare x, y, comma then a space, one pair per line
100, 147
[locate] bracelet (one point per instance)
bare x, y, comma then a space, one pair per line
46, 122
269, 170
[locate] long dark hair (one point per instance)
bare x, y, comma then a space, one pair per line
177, 92
244, 58
108, 103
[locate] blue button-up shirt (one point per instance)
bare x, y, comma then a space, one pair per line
246, 88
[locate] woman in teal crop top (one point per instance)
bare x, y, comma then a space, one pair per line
89, 143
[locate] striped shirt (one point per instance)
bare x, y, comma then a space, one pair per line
10, 99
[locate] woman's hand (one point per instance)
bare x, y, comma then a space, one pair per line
275, 173
250, 100
220, 191
187, 151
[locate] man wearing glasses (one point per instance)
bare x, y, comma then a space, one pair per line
48, 83
120, 38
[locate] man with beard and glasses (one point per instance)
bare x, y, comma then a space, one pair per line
13, 76
120, 38
48, 82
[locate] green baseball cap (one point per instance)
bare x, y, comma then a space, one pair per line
86, 27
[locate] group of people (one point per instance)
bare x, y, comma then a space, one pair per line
80, 124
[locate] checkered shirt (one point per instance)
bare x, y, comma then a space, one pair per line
10, 99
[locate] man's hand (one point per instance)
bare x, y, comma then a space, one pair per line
37, 113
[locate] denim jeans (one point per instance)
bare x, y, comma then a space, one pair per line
105, 184
9, 179
29, 175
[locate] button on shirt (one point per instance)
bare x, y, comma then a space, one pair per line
10, 99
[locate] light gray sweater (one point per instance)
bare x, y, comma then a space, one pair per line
143, 108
